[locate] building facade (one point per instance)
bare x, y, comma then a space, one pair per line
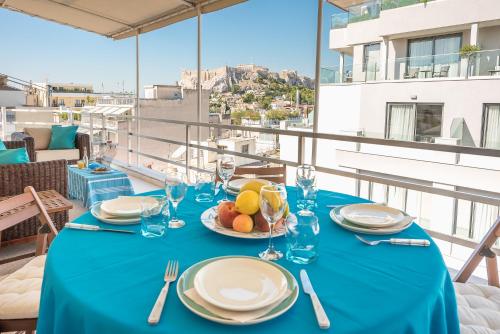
417, 71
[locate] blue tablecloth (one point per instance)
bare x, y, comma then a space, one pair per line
90, 188
98, 283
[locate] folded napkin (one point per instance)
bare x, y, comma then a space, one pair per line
240, 316
94, 165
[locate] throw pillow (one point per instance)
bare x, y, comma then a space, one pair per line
63, 137
14, 156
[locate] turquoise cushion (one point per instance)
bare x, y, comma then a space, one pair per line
2, 146
63, 137
14, 156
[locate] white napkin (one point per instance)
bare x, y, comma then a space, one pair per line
240, 316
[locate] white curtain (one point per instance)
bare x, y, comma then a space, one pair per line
401, 121
492, 126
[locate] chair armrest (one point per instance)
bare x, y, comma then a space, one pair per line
27, 142
82, 141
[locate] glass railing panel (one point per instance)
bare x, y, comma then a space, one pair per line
365, 11
351, 73
485, 63
390, 4
339, 20
425, 67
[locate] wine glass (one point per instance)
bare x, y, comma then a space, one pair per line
175, 188
225, 169
305, 180
272, 206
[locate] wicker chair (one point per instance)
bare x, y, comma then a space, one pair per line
479, 305
82, 141
20, 290
41, 176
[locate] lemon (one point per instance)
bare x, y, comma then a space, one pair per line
254, 185
247, 202
287, 210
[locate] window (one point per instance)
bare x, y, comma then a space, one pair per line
434, 56
371, 57
244, 148
491, 126
414, 121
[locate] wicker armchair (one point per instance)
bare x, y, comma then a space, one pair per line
82, 141
41, 176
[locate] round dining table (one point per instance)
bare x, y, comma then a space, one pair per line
103, 282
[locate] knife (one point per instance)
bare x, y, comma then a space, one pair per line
321, 316
88, 227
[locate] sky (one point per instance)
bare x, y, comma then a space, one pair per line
279, 34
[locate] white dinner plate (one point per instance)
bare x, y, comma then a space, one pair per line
210, 220
371, 215
95, 210
240, 284
237, 184
186, 282
339, 220
126, 206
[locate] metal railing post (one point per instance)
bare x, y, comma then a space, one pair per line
103, 128
4, 121
188, 154
301, 150
129, 142
91, 134
70, 116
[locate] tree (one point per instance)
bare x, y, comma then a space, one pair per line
248, 98
235, 89
277, 115
237, 116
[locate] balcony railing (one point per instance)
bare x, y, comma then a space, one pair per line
390, 4
135, 147
443, 66
368, 10
485, 63
351, 73
425, 67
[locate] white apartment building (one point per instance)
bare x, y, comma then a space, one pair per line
402, 75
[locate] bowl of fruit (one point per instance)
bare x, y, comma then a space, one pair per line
242, 218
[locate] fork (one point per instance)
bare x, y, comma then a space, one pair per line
170, 276
396, 241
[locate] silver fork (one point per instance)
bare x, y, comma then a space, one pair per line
170, 276
396, 241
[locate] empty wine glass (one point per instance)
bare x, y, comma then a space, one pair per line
175, 188
305, 181
225, 169
272, 206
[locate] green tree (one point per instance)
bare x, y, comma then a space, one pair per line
248, 97
237, 116
235, 89
277, 115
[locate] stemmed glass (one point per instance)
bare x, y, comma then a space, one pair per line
175, 188
305, 180
225, 169
272, 206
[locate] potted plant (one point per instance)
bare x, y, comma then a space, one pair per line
467, 52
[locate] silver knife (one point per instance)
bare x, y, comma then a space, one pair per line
88, 227
321, 316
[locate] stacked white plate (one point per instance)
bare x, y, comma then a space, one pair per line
234, 186
124, 210
237, 290
371, 218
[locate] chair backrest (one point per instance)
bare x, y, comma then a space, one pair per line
444, 70
483, 250
24, 206
273, 174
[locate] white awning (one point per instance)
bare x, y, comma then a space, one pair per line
116, 19
111, 110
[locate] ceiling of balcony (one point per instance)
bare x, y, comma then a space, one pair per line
344, 4
116, 19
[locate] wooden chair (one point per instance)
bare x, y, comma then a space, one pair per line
18, 312
273, 174
479, 305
